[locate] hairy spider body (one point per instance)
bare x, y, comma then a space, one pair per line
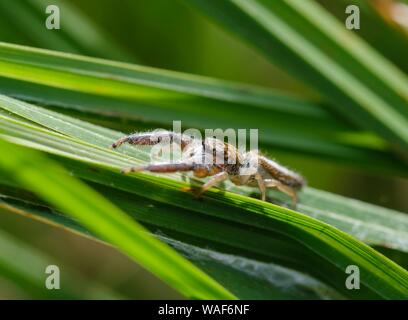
212, 157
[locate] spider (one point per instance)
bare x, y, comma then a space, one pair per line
219, 160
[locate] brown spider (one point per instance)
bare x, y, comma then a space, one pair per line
213, 157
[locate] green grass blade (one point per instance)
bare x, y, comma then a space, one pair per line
335, 247
235, 272
307, 41
55, 185
377, 227
258, 280
380, 33
139, 93
193, 228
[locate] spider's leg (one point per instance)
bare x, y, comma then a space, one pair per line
163, 168
261, 185
219, 177
271, 183
119, 142
290, 192
152, 138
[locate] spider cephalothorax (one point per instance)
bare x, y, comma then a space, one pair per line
220, 160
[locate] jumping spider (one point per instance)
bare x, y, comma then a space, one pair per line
220, 160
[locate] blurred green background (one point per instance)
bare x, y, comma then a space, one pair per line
170, 35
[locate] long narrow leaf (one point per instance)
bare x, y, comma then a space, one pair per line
107, 220
313, 46
376, 227
134, 92
338, 249
234, 272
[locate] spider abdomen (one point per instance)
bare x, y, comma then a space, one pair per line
282, 174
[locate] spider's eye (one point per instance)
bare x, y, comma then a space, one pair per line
247, 165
